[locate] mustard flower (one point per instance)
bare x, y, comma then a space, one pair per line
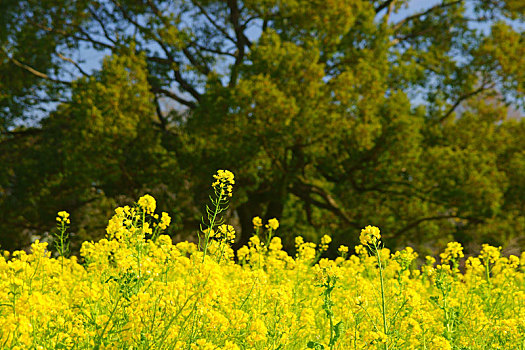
147, 203
325, 241
370, 235
405, 257
243, 253
227, 232
254, 242
63, 216
165, 221
273, 224
453, 252
257, 222
361, 250
276, 244
224, 181
210, 232
490, 254
514, 261
299, 241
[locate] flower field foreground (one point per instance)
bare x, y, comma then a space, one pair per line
137, 290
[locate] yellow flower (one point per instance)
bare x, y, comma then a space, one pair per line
490, 254
147, 203
370, 235
343, 249
224, 181
376, 337
210, 232
165, 221
405, 257
453, 251
361, 250
227, 232
243, 253
514, 261
440, 343
229, 345
63, 216
275, 244
325, 241
273, 224
257, 222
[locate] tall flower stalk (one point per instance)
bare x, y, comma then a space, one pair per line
62, 238
223, 189
371, 237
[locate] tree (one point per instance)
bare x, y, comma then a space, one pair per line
331, 117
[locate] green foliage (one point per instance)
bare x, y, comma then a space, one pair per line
331, 117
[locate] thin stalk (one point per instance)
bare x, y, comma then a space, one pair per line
487, 273
99, 340
139, 244
330, 318
212, 222
383, 306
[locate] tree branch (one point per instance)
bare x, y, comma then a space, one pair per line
178, 76
212, 22
242, 41
202, 67
34, 71
162, 120
101, 24
399, 24
172, 95
77, 66
383, 6
87, 37
463, 98
421, 220
304, 191
215, 51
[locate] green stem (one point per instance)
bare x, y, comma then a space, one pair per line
383, 302
99, 340
212, 223
331, 333
139, 243
487, 273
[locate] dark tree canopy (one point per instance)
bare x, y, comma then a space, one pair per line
332, 115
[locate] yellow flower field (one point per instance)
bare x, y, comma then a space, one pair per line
137, 290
